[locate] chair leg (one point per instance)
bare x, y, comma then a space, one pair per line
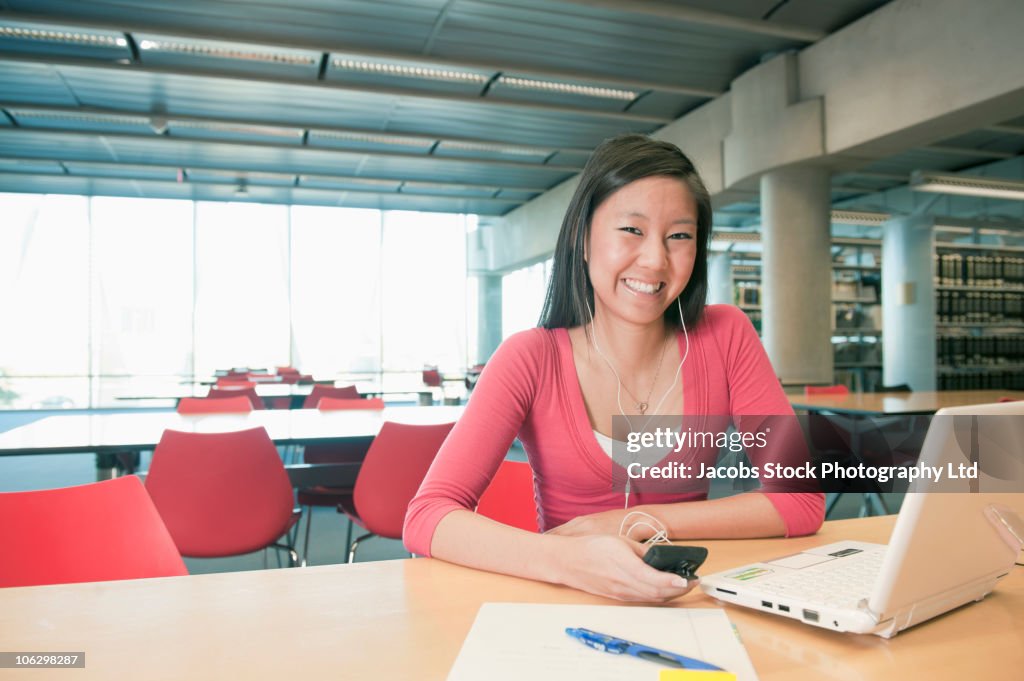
348, 535
831, 499
309, 523
355, 545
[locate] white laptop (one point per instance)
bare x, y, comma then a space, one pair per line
948, 548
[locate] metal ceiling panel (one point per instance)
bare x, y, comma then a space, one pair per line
431, 188
229, 132
239, 177
988, 140
219, 55
354, 184
665, 104
17, 165
33, 84
598, 41
115, 170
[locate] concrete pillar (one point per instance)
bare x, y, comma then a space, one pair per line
488, 315
796, 274
720, 279
908, 302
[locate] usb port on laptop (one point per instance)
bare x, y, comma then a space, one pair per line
810, 615
784, 608
766, 604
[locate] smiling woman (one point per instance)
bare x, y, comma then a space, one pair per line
624, 312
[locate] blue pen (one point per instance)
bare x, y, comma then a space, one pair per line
619, 646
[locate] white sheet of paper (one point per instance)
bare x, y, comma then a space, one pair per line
527, 641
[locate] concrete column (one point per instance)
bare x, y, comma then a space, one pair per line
796, 274
488, 315
719, 279
908, 302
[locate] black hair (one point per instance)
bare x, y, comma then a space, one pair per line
614, 164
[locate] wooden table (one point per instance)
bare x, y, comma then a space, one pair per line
897, 403
407, 619
108, 434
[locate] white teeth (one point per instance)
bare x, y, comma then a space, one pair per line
642, 287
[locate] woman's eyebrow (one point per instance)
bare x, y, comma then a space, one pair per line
680, 221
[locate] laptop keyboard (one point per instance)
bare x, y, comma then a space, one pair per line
840, 585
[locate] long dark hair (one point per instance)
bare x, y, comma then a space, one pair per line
614, 164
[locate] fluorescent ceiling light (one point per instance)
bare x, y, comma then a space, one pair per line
859, 217
567, 88
265, 130
967, 185
495, 148
70, 116
229, 51
409, 71
55, 35
368, 138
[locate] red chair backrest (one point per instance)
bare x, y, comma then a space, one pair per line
509, 498
89, 533
826, 390
395, 465
250, 392
348, 392
432, 377
336, 404
220, 494
234, 404
281, 371
230, 382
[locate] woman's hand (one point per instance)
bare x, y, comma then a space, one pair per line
638, 527
613, 567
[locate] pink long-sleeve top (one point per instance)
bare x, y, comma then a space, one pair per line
530, 389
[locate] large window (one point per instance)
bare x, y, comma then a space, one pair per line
336, 290
109, 297
424, 283
241, 286
522, 297
44, 300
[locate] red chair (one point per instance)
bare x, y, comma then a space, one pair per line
281, 371
235, 382
249, 392
509, 498
395, 465
432, 378
233, 404
348, 392
352, 450
223, 494
337, 404
90, 533
826, 390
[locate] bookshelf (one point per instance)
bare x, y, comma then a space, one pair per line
979, 308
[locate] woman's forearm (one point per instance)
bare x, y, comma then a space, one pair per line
475, 541
741, 516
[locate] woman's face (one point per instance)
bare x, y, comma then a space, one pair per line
641, 250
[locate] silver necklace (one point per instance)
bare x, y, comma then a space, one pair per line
641, 405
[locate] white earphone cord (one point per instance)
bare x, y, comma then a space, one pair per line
618, 381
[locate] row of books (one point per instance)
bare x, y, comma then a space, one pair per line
979, 307
957, 269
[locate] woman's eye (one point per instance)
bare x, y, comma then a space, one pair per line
630, 230
679, 236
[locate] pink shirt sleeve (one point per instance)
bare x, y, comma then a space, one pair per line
755, 390
480, 439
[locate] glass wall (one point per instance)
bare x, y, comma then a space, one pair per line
107, 298
522, 297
